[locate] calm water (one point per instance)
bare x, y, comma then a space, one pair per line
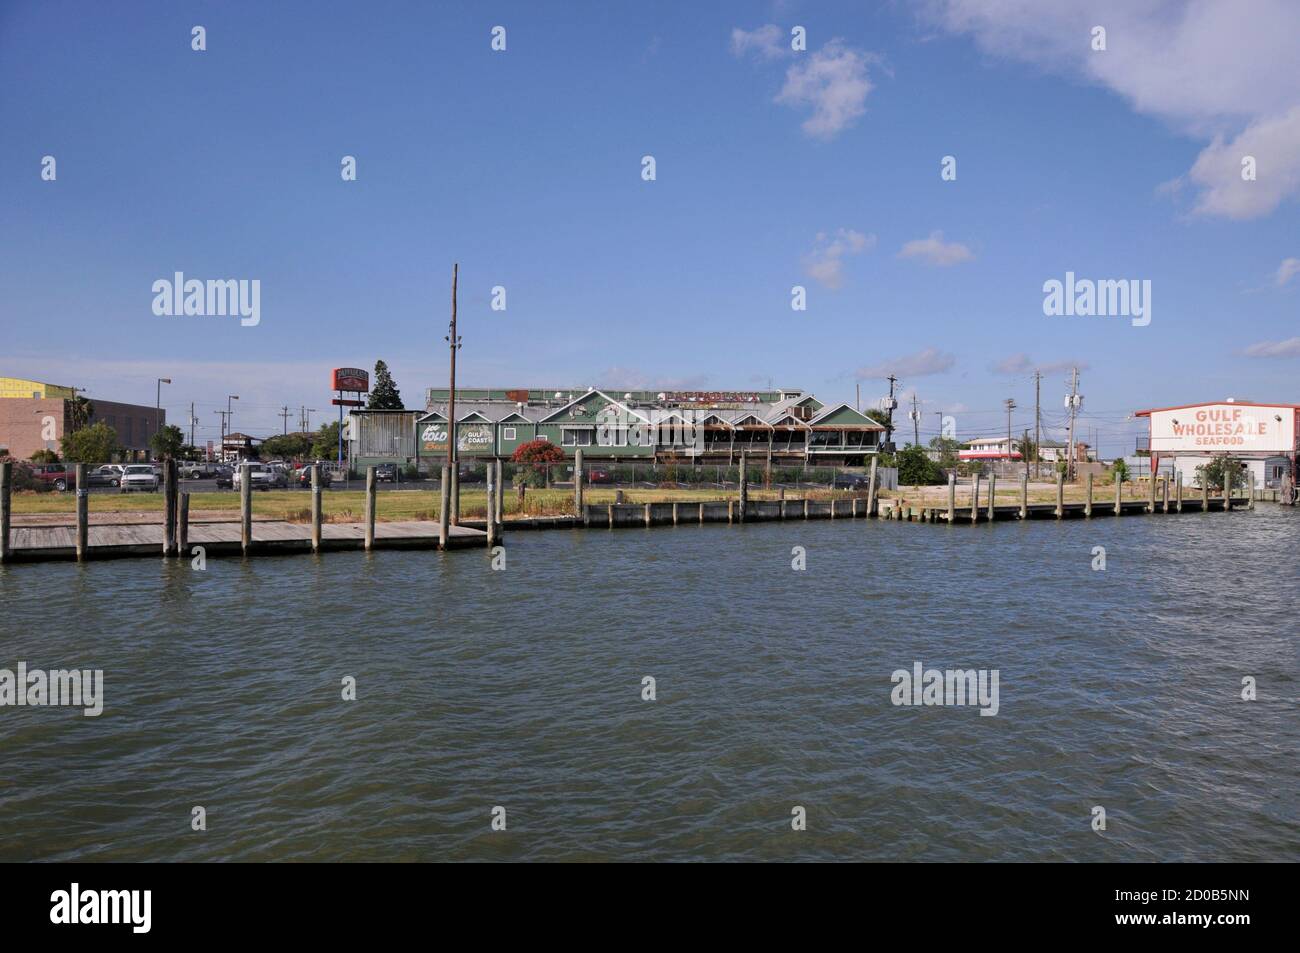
522, 689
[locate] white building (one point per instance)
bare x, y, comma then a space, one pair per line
1264, 437
990, 448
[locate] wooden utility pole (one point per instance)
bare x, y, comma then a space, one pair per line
1038, 421
1073, 401
453, 341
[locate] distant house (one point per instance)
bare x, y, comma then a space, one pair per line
989, 448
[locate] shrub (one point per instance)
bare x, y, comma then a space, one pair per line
536, 456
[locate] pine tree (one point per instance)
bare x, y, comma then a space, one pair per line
384, 395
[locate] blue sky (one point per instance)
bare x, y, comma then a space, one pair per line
774, 168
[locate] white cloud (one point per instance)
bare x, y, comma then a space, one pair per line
1289, 268
767, 42
1275, 145
1288, 348
1224, 72
833, 82
935, 251
825, 263
921, 364
1018, 365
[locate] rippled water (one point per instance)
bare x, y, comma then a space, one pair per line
522, 689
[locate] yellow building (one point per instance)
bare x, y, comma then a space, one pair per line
17, 387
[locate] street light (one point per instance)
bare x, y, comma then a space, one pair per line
157, 404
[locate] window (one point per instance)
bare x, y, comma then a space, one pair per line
508, 433
574, 437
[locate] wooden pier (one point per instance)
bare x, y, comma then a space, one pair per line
177, 536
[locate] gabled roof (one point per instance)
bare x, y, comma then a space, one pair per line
855, 417
1211, 403
595, 393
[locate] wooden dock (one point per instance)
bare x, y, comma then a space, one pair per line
107, 541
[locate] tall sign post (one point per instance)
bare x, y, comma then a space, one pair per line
351, 380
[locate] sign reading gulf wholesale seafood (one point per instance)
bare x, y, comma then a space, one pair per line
1224, 428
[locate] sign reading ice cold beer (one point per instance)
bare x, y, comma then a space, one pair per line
1223, 428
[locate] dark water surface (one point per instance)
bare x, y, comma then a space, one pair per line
522, 689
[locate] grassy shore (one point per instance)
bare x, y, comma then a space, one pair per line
343, 506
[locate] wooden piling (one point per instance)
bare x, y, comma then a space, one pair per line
501, 491
872, 504
1151, 493
805, 507
492, 530
674, 514
1205, 493
647, 515
370, 508
454, 503
1087, 506
183, 526
83, 513
444, 509
952, 497
1119, 497
744, 484
315, 508
975, 499
171, 499
1024, 496
1178, 490
993, 495
577, 480
245, 507
1164, 494
609, 513
1060, 495
6, 489
1250, 490
701, 514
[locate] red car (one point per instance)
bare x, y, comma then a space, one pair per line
597, 475
57, 474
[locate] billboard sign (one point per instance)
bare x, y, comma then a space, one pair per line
1224, 428
351, 378
472, 438
475, 438
433, 438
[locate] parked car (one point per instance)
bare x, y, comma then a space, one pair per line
260, 477
197, 470
850, 481
386, 473
110, 474
140, 476
599, 475
225, 478
56, 475
471, 473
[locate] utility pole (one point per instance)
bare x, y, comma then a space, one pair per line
1038, 422
1010, 404
889, 403
284, 412
453, 342
915, 416
193, 420
1073, 401
221, 451
857, 400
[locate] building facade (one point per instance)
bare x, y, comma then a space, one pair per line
1264, 437
36, 416
705, 427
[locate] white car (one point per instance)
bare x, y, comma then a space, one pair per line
260, 477
140, 477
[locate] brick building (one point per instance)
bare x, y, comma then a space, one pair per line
35, 416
